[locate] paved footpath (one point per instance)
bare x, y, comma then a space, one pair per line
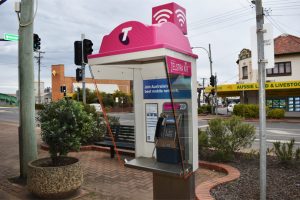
104, 178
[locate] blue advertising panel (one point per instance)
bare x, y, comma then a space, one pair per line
158, 89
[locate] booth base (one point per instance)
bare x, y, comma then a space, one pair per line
168, 180
171, 187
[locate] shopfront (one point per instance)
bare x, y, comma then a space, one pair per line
285, 95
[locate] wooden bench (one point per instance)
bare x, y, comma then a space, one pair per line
124, 139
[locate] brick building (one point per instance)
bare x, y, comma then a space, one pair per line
59, 79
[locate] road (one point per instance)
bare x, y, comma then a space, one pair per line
279, 131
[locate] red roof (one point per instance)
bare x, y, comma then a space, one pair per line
286, 44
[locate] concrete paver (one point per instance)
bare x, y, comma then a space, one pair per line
104, 178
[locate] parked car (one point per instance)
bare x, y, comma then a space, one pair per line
97, 106
230, 107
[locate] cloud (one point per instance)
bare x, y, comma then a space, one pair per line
60, 22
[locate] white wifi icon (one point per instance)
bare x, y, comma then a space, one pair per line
162, 15
181, 16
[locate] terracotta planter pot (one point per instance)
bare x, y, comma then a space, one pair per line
54, 182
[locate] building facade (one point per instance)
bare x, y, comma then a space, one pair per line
59, 79
282, 81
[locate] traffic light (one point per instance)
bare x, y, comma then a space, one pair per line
87, 49
77, 53
78, 74
212, 80
36, 42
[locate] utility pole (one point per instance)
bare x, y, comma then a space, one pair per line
27, 138
39, 75
83, 71
262, 97
203, 83
216, 94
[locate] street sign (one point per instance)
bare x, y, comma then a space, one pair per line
11, 37
2, 1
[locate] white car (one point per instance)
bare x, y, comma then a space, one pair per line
230, 107
97, 106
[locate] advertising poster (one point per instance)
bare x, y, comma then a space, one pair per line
151, 120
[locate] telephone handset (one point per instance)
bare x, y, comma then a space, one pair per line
159, 126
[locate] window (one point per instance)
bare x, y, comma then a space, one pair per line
280, 69
245, 72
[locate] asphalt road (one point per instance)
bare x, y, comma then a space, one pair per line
279, 131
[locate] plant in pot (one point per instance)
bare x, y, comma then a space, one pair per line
63, 125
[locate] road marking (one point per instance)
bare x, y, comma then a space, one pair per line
282, 141
203, 126
279, 132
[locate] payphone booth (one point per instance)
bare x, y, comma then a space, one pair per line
159, 61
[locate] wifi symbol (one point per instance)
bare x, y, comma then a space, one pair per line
162, 15
181, 16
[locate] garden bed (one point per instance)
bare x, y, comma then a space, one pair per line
283, 182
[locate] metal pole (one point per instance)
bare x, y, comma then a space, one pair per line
203, 79
27, 138
39, 75
262, 97
210, 59
211, 73
216, 94
83, 71
39, 78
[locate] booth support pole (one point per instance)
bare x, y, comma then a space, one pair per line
172, 187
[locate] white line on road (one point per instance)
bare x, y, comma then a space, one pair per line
282, 141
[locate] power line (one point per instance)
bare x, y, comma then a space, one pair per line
224, 27
279, 28
219, 19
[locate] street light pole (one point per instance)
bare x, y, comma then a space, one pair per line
209, 56
210, 63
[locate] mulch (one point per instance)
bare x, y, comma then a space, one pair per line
283, 181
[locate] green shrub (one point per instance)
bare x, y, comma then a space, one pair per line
101, 127
285, 153
205, 109
246, 110
227, 136
276, 113
202, 140
64, 124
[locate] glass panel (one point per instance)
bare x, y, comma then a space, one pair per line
281, 68
288, 67
179, 73
282, 103
269, 103
245, 71
275, 70
269, 71
276, 103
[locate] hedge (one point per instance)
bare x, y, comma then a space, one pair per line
246, 110
252, 111
276, 113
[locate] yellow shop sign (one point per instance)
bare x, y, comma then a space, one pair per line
254, 86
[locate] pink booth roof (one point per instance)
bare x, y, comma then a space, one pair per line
142, 37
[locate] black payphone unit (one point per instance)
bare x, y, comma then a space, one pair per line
167, 138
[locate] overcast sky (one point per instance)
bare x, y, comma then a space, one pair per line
225, 24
